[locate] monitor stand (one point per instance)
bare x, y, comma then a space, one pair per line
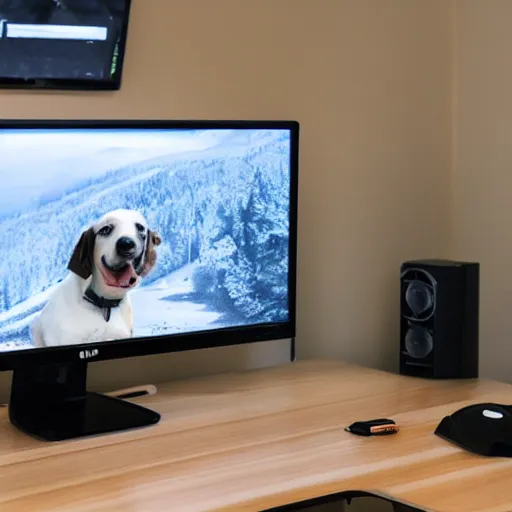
50, 402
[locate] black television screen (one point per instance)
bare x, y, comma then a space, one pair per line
185, 231
63, 44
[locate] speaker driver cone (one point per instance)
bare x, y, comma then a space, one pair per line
419, 297
418, 290
418, 342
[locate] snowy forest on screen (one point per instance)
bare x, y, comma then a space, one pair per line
221, 208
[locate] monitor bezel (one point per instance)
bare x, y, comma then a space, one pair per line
144, 346
72, 84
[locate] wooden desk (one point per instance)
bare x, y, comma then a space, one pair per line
262, 439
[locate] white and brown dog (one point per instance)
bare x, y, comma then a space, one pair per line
92, 304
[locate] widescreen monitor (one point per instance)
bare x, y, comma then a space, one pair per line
63, 44
131, 238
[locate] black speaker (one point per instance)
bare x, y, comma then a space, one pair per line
439, 319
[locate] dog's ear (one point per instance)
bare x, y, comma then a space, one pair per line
153, 240
81, 261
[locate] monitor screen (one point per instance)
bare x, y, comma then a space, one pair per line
131, 233
63, 43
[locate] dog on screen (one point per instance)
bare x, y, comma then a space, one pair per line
92, 303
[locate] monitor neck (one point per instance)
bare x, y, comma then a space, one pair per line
51, 383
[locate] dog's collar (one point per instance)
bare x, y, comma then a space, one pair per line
101, 302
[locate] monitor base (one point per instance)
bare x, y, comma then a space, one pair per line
51, 403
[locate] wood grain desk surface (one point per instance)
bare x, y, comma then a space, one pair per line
261, 439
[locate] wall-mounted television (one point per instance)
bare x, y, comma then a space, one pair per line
63, 44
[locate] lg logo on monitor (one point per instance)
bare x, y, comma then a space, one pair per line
87, 354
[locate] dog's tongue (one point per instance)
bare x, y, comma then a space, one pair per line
123, 278
127, 277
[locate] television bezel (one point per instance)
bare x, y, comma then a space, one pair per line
77, 84
144, 346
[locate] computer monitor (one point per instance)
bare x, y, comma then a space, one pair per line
129, 238
63, 44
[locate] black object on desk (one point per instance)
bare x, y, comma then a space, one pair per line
379, 427
485, 429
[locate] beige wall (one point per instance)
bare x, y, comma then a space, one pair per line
370, 82
482, 178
